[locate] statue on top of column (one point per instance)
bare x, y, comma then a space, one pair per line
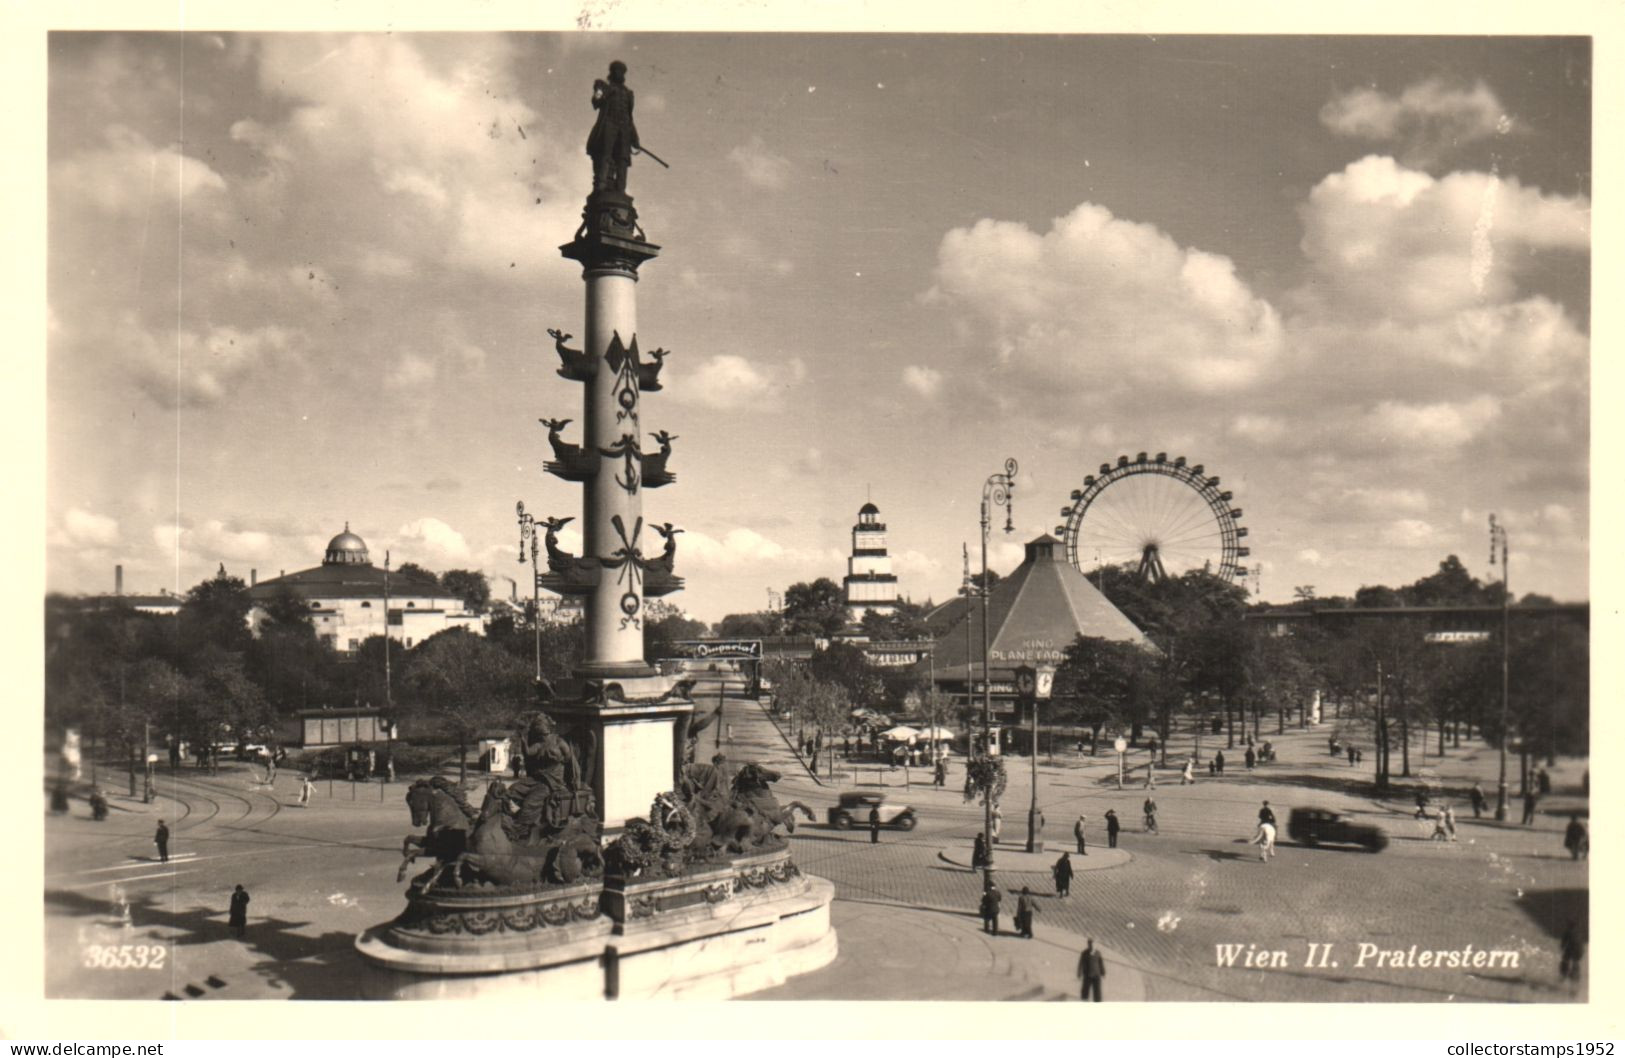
614, 136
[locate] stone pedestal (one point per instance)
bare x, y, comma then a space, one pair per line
639, 745
715, 933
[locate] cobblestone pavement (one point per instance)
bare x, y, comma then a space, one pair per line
321, 874
1198, 884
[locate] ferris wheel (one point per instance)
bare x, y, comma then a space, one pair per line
1164, 515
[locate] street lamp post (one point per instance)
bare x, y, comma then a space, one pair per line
527, 535
997, 491
1034, 685
1498, 535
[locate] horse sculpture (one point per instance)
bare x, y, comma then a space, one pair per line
738, 820
494, 855
440, 805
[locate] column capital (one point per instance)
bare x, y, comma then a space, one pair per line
609, 237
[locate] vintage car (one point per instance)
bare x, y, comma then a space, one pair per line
853, 810
1322, 826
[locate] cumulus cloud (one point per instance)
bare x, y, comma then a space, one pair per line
436, 541
1432, 425
84, 529
213, 541
1384, 501
1310, 557
741, 546
198, 368
1408, 532
129, 175
760, 166
1261, 429
726, 382
926, 381
1099, 304
1390, 242
1427, 118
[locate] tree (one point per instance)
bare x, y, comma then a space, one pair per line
215, 613
906, 621
412, 569
221, 702
1099, 681
848, 667
470, 586
1378, 596
750, 625
1278, 675
818, 608
290, 665
468, 684
663, 625
1451, 585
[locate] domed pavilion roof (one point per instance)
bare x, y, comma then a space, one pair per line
346, 549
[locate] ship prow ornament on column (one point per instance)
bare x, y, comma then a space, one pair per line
696, 894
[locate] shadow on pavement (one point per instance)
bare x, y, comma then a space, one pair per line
1553, 909
324, 966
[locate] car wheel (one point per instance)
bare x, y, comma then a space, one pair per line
1376, 844
843, 822
906, 822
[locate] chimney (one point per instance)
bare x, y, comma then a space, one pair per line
118, 579
253, 577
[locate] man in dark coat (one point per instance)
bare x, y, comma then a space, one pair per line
1266, 814
990, 910
1572, 949
161, 839
1529, 808
1477, 794
874, 825
238, 919
1112, 827
1063, 875
1218, 761
1092, 970
614, 136
1574, 837
978, 855
1026, 908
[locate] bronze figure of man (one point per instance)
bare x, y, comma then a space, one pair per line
614, 137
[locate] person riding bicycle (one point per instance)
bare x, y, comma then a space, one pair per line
1150, 814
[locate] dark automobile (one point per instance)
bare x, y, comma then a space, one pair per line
853, 810
1322, 826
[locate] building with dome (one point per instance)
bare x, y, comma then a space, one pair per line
350, 599
869, 582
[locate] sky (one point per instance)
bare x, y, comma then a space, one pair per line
300, 280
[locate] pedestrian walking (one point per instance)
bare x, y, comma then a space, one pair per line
1077, 832
1266, 814
389, 767
1265, 840
1575, 838
1187, 777
1150, 775
978, 852
1543, 781
1439, 832
1529, 808
160, 838
1112, 827
1252, 758
1091, 971
238, 919
1026, 908
1450, 822
990, 910
98, 804
1218, 761
1353, 755
1062, 872
874, 825
1331, 744
998, 824
1359, 755
1150, 815
1477, 794
1572, 949
846, 747
306, 790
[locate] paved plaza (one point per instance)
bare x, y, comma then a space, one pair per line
121, 925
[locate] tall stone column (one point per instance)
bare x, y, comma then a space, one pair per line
628, 716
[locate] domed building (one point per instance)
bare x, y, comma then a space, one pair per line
350, 599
